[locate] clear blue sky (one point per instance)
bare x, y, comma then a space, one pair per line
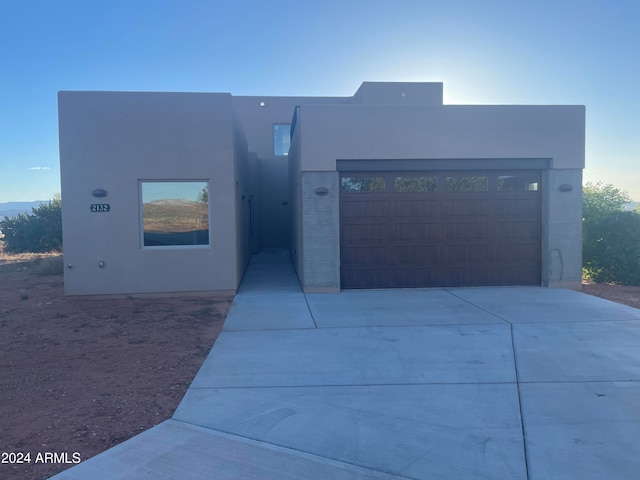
583, 52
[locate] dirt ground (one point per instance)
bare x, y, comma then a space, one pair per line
629, 295
80, 375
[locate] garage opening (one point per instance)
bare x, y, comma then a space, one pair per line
440, 228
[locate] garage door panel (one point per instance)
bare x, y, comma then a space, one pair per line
366, 278
364, 232
425, 232
467, 207
467, 231
515, 276
518, 230
363, 255
415, 208
523, 254
467, 276
364, 209
507, 205
467, 255
415, 255
425, 229
409, 277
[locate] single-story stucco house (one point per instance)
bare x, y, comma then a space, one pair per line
172, 192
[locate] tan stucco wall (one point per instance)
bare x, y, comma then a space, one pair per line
325, 134
399, 93
295, 232
271, 194
112, 140
243, 191
397, 132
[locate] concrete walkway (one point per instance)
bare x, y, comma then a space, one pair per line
469, 383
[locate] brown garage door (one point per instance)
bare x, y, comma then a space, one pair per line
423, 229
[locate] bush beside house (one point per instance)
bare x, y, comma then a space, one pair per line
38, 232
610, 236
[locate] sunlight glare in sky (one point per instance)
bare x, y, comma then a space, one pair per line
494, 52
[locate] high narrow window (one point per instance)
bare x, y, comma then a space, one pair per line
281, 139
175, 213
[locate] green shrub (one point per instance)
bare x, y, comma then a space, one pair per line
610, 236
38, 232
612, 250
599, 200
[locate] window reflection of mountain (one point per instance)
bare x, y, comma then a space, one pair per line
175, 222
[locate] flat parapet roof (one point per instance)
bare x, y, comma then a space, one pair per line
399, 93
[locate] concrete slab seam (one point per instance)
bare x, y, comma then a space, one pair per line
405, 325
332, 385
313, 319
524, 436
566, 382
294, 450
292, 329
374, 327
476, 306
569, 322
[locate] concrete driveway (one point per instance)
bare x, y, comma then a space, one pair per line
469, 383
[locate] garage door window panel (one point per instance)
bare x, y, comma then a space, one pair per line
527, 182
363, 184
461, 183
413, 184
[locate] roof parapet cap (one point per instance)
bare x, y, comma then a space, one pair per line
399, 93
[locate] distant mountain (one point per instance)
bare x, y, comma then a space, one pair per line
173, 201
13, 209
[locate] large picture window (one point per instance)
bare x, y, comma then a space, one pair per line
175, 213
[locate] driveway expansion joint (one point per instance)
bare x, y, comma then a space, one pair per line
524, 436
476, 306
257, 441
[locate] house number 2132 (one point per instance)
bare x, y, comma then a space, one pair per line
100, 207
